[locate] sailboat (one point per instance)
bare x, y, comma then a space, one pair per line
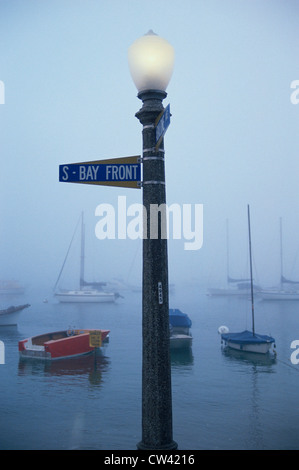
88, 292
235, 286
248, 341
291, 292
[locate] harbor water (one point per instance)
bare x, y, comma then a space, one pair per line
221, 400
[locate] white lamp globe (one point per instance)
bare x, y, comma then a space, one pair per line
151, 61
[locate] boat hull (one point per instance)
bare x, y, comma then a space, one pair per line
227, 292
9, 319
59, 345
248, 342
254, 348
10, 316
85, 297
282, 295
230, 292
180, 341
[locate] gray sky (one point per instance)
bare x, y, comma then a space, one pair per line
233, 137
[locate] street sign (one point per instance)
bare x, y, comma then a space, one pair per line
162, 124
125, 172
95, 339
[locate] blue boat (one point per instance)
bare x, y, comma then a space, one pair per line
179, 324
248, 341
178, 319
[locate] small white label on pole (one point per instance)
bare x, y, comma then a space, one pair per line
2, 353
160, 293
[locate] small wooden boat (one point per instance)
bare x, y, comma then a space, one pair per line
62, 344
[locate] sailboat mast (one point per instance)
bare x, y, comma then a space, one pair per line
227, 253
251, 278
281, 266
82, 251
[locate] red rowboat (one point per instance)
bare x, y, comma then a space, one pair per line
62, 344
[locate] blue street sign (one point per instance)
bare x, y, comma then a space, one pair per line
162, 124
125, 172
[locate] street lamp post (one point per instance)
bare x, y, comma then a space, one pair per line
151, 63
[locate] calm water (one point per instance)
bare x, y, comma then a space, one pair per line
220, 400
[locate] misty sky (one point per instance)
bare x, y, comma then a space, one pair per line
233, 137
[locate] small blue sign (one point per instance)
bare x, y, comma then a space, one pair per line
113, 172
162, 124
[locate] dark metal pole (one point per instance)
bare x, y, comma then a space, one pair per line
156, 367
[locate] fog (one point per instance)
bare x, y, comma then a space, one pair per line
233, 138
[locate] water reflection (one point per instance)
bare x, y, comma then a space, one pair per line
254, 359
181, 357
253, 368
92, 366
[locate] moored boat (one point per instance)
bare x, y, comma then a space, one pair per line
288, 288
180, 341
88, 292
61, 344
248, 341
9, 316
280, 294
236, 287
11, 287
179, 324
86, 296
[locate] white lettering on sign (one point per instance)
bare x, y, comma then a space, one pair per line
121, 172
88, 172
65, 176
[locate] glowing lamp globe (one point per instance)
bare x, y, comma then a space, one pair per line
151, 61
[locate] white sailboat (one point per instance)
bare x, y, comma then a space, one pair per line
248, 341
88, 292
288, 289
235, 286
